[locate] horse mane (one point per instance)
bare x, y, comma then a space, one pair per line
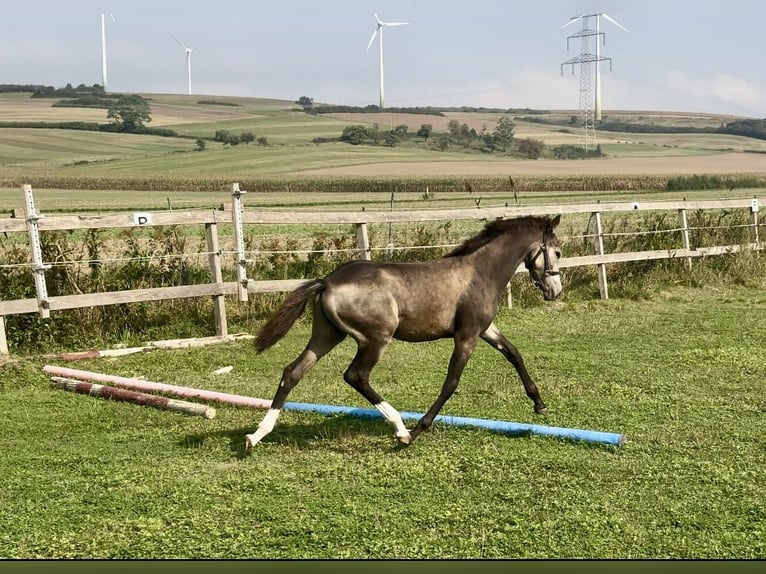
497, 227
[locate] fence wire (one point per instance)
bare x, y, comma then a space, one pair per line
387, 248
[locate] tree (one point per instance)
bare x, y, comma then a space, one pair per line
226, 137
454, 128
401, 131
391, 138
306, 102
354, 135
200, 145
503, 134
425, 131
129, 113
246, 137
375, 134
531, 147
442, 142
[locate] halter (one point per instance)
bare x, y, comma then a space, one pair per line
547, 267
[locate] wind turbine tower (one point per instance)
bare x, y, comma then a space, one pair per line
379, 30
188, 63
590, 110
103, 51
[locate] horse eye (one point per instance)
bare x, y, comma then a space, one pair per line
558, 254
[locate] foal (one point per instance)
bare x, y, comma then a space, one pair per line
454, 297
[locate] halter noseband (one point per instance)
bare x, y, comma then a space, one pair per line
547, 267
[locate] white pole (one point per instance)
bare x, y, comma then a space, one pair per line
188, 67
103, 53
381, 67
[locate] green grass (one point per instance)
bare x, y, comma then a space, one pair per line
49, 148
681, 375
51, 201
25, 153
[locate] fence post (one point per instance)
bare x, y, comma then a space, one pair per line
216, 276
602, 285
685, 236
38, 268
754, 220
239, 238
363, 241
3, 340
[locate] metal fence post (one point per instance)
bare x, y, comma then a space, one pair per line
239, 238
38, 268
603, 288
685, 236
216, 276
3, 340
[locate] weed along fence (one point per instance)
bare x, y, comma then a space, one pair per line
680, 242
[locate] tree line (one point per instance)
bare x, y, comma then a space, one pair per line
747, 127
500, 139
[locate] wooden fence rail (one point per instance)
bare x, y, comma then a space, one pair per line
237, 217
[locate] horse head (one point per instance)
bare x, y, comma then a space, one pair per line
542, 261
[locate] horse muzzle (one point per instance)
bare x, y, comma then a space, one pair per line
550, 285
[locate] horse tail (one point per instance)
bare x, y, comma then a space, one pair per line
286, 315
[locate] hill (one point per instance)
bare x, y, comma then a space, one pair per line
289, 143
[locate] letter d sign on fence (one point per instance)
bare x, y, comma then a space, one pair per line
142, 219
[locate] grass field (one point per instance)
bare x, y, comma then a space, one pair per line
291, 153
72, 200
681, 376
678, 371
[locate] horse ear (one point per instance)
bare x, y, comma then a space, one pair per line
556, 221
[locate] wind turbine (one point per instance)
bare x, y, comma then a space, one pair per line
188, 61
379, 30
103, 50
598, 58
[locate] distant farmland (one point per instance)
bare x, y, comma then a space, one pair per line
291, 149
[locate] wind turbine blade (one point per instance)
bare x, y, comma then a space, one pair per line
112, 17
572, 20
375, 33
395, 23
380, 23
180, 43
615, 22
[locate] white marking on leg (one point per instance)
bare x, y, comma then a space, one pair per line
393, 417
266, 426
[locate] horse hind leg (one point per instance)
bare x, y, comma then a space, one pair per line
324, 338
358, 376
464, 347
495, 338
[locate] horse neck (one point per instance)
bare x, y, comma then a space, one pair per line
500, 258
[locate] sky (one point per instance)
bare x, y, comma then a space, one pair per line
679, 55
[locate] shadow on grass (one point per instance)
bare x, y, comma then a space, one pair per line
338, 433
345, 433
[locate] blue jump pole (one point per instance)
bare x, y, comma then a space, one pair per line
504, 427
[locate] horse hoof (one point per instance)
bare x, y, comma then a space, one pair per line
406, 439
542, 411
249, 442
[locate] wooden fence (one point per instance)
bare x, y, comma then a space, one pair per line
33, 223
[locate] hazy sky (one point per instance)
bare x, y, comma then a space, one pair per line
680, 55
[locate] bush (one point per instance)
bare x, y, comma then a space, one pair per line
355, 135
531, 148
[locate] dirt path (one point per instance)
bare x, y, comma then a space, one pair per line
708, 164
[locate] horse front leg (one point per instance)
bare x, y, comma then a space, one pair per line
463, 350
494, 337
